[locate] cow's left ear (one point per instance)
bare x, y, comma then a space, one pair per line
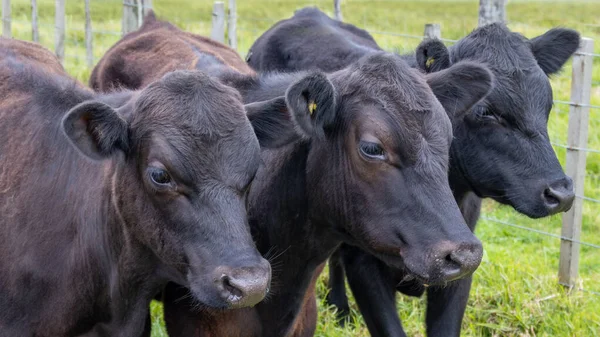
272, 122
96, 129
460, 87
553, 48
312, 104
432, 55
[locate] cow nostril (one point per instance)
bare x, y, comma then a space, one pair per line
558, 197
231, 289
462, 260
550, 198
450, 259
243, 286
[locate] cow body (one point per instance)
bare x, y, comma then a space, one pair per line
106, 198
158, 48
501, 148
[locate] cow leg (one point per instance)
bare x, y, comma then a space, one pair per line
180, 319
337, 287
306, 322
446, 308
148, 326
373, 285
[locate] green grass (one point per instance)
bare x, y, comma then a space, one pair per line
515, 291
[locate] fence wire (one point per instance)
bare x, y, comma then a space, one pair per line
584, 149
540, 232
577, 104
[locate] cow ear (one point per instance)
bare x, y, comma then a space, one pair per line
312, 104
272, 122
96, 130
460, 87
432, 55
553, 48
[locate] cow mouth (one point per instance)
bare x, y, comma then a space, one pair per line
412, 274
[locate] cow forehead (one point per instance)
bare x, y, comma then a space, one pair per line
496, 46
385, 77
521, 89
393, 102
191, 101
197, 116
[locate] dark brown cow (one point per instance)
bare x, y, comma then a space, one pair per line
370, 170
106, 198
157, 48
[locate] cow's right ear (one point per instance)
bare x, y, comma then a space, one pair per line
460, 87
272, 122
96, 129
312, 104
432, 55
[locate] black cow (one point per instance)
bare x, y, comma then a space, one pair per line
371, 171
501, 148
106, 198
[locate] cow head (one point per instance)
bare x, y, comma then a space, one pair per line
378, 160
501, 148
183, 156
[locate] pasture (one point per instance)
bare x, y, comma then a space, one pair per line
515, 290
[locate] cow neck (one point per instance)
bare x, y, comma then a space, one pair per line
285, 234
129, 257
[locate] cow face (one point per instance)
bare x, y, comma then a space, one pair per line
185, 155
378, 160
502, 148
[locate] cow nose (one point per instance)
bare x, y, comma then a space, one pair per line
558, 196
460, 259
243, 286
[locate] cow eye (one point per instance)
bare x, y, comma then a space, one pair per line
159, 176
371, 150
486, 115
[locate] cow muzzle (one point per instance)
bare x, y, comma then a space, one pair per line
242, 286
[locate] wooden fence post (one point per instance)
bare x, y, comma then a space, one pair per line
231, 25
35, 31
581, 84
89, 53
146, 7
218, 22
139, 9
130, 20
432, 31
491, 11
337, 9
59, 29
6, 32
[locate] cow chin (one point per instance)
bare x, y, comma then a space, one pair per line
438, 264
414, 271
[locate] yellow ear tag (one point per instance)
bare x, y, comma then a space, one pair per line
429, 62
312, 106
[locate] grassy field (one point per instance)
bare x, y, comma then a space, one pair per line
515, 291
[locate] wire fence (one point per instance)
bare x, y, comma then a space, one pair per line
578, 106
